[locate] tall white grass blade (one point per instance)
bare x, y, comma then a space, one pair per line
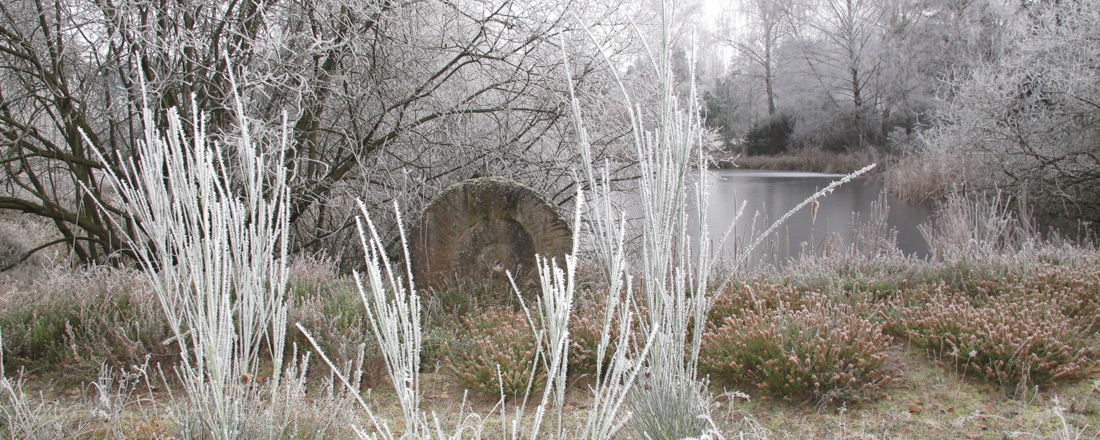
674, 275
747, 252
213, 241
393, 311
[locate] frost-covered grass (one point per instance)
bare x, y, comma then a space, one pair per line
212, 244
943, 385
213, 254
631, 362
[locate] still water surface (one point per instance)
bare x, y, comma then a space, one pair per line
770, 194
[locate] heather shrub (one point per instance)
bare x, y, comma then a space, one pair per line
460, 297
490, 338
1004, 333
335, 319
73, 322
312, 276
329, 306
819, 351
756, 295
1075, 293
586, 329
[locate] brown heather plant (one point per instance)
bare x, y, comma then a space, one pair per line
585, 330
757, 295
490, 338
818, 350
329, 306
586, 327
1074, 292
72, 322
1010, 335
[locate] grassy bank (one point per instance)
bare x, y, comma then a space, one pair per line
838, 349
807, 160
923, 177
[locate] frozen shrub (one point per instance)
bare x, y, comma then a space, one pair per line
76, 321
489, 338
459, 297
334, 316
1006, 333
1076, 294
307, 276
772, 136
756, 295
586, 328
819, 351
329, 306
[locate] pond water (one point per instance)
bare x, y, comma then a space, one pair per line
768, 195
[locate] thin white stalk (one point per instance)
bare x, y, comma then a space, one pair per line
554, 311
823, 192
353, 389
675, 276
18, 417
608, 227
394, 322
213, 241
393, 310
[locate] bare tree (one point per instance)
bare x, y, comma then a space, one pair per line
840, 39
386, 98
50, 98
766, 26
1028, 122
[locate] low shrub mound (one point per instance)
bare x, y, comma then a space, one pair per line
757, 295
813, 350
585, 331
1075, 293
486, 338
1010, 332
73, 322
332, 311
